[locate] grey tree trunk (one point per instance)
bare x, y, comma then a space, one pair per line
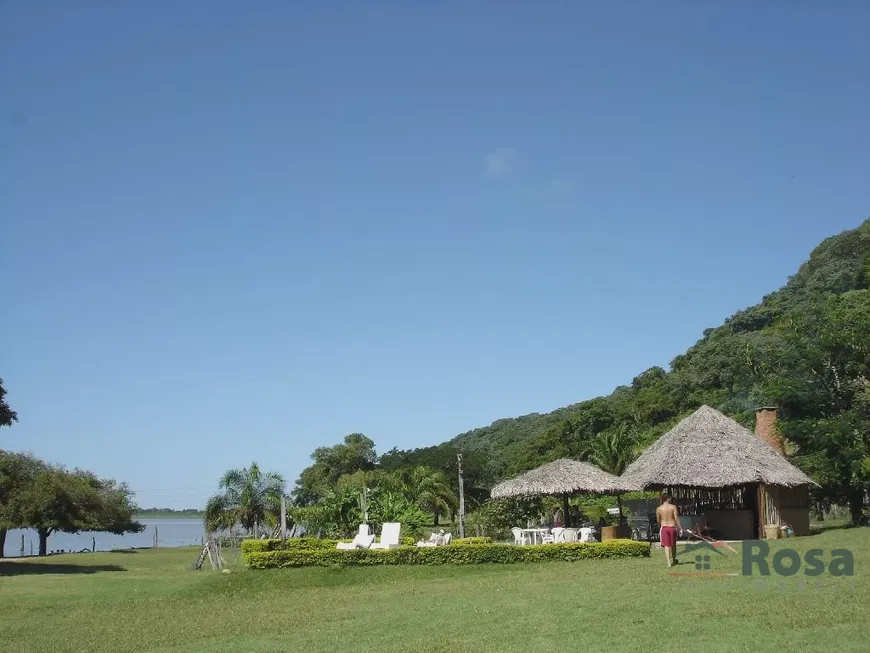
43, 541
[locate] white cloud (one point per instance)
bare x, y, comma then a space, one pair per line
501, 162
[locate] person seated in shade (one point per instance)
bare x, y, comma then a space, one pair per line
435, 539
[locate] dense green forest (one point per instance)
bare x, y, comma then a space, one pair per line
804, 349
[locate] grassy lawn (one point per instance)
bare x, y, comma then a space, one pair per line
149, 601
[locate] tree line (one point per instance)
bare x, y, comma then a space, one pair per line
343, 488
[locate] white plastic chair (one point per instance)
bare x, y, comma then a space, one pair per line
548, 538
569, 535
519, 536
389, 536
557, 534
362, 540
587, 535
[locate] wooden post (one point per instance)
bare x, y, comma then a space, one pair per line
461, 499
566, 512
22, 544
93, 544
283, 521
762, 511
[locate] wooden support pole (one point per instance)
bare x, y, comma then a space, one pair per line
461, 499
283, 521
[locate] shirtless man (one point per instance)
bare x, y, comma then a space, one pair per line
668, 518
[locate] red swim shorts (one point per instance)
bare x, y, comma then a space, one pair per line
668, 535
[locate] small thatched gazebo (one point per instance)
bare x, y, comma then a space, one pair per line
563, 478
738, 480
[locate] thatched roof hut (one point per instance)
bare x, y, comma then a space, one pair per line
562, 477
709, 450
735, 480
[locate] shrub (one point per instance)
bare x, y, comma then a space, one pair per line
455, 554
472, 540
497, 516
303, 544
393, 507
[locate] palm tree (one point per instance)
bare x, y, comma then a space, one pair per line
430, 490
613, 451
250, 498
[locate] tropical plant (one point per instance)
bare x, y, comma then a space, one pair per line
250, 498
429, 490
613, 451
391, 507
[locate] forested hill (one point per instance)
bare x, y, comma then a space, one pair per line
734, 367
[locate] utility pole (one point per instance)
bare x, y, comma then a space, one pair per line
365, 505
283, 521
461, 498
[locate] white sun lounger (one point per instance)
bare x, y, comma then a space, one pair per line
362, 540
389, 536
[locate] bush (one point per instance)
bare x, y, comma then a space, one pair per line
317, 544
293, 544
472, 540
454, 554
497, 516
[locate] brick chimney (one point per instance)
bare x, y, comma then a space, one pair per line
765, 427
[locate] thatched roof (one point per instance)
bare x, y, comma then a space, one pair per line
708, 449
561, 477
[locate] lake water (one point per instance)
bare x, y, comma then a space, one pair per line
170, 532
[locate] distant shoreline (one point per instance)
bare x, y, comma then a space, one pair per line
168, 515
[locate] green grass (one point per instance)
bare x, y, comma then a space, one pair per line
149, 601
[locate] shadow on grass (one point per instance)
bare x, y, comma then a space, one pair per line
817, 529
37, 568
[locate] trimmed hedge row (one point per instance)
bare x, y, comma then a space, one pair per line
316, 544
453, 554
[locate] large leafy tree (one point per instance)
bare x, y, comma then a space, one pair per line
7, 415
58, 500
17, 472
823, 388
111, 505
356, 453
478, 473
248, 497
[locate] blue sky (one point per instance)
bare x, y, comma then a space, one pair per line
235, 232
